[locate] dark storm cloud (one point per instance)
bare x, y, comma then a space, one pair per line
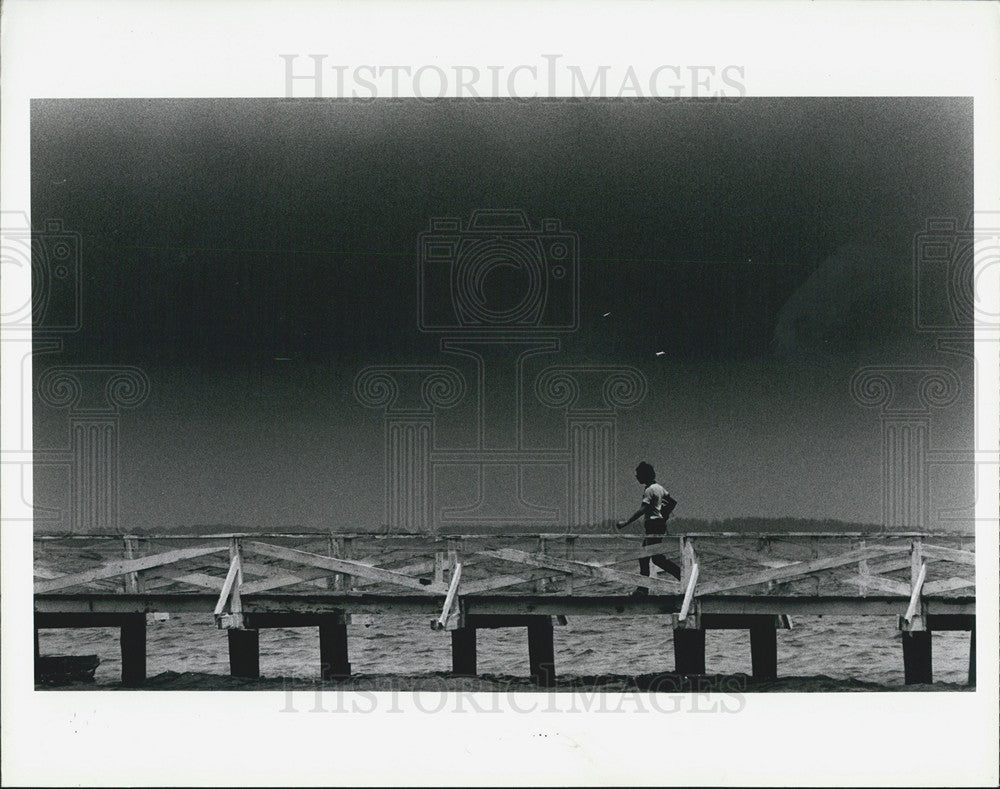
253, 256
226, 227
857, 299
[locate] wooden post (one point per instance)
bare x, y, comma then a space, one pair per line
541, 585
333, 656
131, 545
689, 635
235, 600
133, 644
764, 649
972, 655
338, 552
917, 668
687, 560
863, 571
331, 547
463, 651
439, 567
917, 657
244, 653
541, 651
571, 556
346, 553
454, 553
915, 611
689, 650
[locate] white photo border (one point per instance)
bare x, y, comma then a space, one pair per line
52, 48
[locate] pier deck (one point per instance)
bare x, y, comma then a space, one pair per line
460, 584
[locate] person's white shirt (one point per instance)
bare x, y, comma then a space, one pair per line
653, 498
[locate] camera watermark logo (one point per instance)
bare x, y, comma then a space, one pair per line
905, 396
411, 396
42, 295
46, 265
950, 259
94, 396
43, 268
496, 272
500, 293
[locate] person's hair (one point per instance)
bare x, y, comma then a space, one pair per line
644, 471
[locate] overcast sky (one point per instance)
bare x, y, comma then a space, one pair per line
738, 239
698, 219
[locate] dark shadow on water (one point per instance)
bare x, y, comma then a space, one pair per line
445, 682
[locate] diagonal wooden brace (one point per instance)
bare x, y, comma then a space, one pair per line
797, 569
123, 567
682, 615
450, 618
581, 569
355, 569
914, 607
230, 594
913, 620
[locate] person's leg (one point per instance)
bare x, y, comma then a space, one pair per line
655, 530
644, 568
664, 563
644, 563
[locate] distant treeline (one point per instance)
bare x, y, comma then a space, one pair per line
690, 525
675, 526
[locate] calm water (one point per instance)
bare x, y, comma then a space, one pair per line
859, 648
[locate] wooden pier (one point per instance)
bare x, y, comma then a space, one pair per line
464, 583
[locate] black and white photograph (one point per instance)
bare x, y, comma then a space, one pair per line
327, 378
429, 391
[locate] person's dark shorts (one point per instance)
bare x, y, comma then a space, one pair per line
656, 527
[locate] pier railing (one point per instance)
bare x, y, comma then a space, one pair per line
469, 582
908, 565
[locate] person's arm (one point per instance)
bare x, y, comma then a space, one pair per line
645, 509
635, 516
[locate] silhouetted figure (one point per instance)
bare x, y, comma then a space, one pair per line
656, 507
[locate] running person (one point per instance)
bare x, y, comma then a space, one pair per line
654, 501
